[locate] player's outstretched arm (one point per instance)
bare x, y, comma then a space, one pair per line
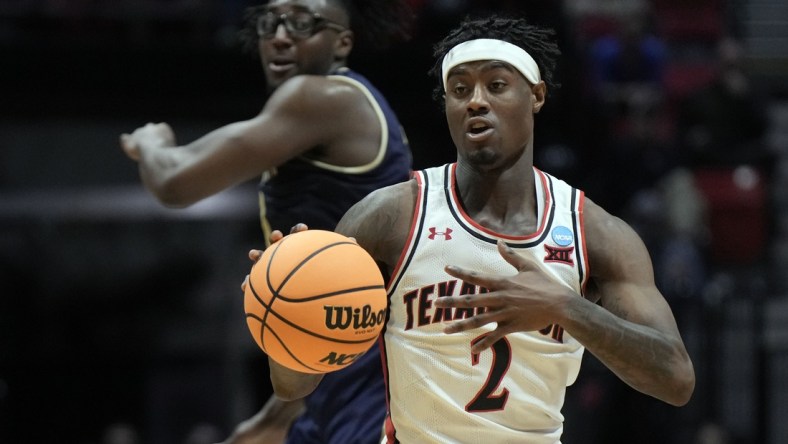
179, 176
292, 122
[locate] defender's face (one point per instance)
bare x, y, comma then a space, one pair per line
299, 37
489, 109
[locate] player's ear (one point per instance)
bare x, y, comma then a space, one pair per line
539, 92
344, 44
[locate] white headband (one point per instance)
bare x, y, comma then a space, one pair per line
491, 49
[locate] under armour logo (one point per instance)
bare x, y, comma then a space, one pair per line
446, 234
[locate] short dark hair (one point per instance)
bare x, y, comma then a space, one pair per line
377, 24
537, 41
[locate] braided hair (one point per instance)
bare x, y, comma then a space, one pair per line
377, 24
537, 41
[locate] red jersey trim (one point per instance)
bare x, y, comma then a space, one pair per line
455, 202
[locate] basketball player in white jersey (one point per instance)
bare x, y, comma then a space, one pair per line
500, 276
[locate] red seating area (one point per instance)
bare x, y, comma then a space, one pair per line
737, 213
690, 19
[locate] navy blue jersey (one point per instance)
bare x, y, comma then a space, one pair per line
349, 405
318, 194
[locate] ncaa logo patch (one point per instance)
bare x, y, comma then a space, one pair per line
562, 236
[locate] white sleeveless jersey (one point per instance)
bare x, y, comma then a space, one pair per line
438, 392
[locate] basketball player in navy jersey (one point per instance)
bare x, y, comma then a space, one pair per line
500, 275
324, 139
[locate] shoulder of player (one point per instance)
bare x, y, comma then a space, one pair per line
317, 93
397, 197
612, 244
386, 201
381, 221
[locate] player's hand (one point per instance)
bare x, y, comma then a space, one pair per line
527, 301
276, 236
150, 135
254, 256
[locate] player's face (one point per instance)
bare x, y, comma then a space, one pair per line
300, 37
489, 109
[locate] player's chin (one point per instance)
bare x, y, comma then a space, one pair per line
276, 79
483, 157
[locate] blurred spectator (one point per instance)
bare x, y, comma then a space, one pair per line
628, 63
721, 131
711, 433
629, 130
579, 9
203, 433
724, 123
637, 147
121, 433
680, 261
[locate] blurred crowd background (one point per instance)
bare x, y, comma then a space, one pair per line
121, 321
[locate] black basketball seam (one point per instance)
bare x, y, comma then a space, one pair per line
273, 332
253, 316
287, 349
273, 294
301, 264
261, 319
333, 293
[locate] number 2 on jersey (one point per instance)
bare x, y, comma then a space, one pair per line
486, 400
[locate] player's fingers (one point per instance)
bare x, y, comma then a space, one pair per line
255, 255
463, 301
129, 147
275, 236
470, 323
474, 277
166, 129
493, 301
521, 263
299, 227
509, 255
487, 341
245, 283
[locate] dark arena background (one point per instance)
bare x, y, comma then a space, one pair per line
121, 321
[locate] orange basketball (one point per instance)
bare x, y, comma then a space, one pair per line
315, 301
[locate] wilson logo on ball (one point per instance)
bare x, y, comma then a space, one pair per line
341, 317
